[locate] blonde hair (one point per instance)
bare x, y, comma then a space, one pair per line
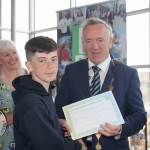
9, 45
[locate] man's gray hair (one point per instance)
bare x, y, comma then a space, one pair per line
94, 21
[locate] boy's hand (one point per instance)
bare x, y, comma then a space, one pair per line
83, 144
65, 126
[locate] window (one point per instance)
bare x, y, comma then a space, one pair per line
21, 39
138, 39
45, 12
145, 86
134, 5
6, 35
6, 13
50, 34
22, 15
87, 2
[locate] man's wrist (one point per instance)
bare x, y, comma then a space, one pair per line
120, 130
119, 133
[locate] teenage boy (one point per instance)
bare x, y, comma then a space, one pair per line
36, 125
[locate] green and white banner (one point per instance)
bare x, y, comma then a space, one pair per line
77, 48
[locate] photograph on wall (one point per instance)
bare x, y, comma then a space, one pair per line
64, 53
80, 15
69, 18
63, 29
65, 49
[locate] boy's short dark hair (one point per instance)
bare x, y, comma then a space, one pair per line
39, 44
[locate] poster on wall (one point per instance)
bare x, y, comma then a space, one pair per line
67, 19
69, 31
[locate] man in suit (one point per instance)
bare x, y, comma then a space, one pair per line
115, 76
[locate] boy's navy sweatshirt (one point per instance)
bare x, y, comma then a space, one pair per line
36, 125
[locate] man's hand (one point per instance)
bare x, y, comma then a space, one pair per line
64, 125
83, 144
110, 130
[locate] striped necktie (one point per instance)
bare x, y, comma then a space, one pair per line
95, 84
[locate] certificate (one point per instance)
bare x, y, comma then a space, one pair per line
86, 116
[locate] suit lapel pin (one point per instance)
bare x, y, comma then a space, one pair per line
110, 87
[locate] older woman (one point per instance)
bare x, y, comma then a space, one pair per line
10, 68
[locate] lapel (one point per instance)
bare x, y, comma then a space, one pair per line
84, 77
110, 75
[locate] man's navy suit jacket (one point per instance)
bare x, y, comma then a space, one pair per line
74, 87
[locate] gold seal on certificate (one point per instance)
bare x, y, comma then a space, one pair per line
2, 124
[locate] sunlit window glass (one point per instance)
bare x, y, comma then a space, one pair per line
22, 15
132, 5
6, 13
6, 35
145, 86
138, 39
21, 39
50, 34
45, 12
144, 75
87, 2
